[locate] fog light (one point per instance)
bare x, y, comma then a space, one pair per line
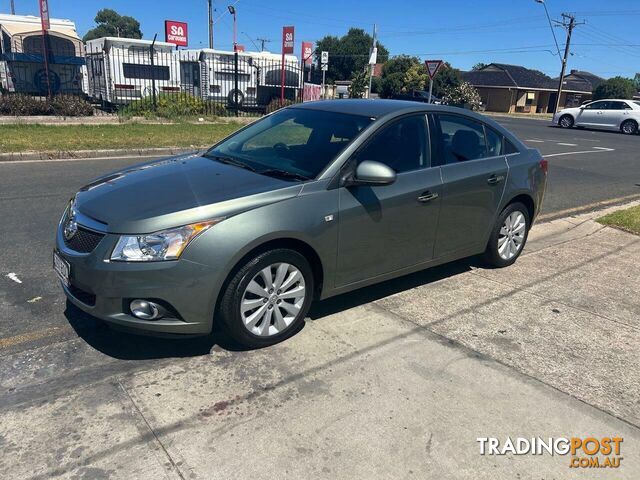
146, 310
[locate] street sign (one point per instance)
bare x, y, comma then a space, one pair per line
287, 40
373, 56
307, 52
324, 58
44, 14
324, 67
176, 33
432, 67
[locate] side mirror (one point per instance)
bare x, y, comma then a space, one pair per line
373, 173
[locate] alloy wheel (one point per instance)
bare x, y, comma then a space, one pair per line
629, 127
273, 299
566, 121
512, 233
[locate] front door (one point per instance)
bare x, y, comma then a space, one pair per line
593, 114
474, 173
387, 228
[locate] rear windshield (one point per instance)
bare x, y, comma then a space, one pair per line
296, 140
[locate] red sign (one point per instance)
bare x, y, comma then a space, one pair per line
287, 40
432, 67
239, 48
307, 52
176, 33
44, 14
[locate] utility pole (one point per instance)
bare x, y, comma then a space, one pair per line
372, 65
262, 42
210, 24
13, 8
569, 26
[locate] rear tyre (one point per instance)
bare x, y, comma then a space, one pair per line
566, 121
508, 237
268, 298
629, 127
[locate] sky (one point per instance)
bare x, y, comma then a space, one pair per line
461, 32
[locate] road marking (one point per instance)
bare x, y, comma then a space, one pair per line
601, 150
34, 300
567, 212
28, 337
568, 144
535, 141
51, 160
14, 277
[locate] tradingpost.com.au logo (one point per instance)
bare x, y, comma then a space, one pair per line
588, 452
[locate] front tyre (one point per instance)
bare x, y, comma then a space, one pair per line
268, 298
566, 121
508, 236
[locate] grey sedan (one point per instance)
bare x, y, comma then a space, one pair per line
309, 202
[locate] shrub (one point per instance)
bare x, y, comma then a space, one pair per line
19, 105
70, 106
463, 95
277, 104
173, 105
616, 87
64, 105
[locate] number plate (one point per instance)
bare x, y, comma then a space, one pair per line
61, 267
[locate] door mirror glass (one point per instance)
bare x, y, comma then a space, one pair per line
372, 173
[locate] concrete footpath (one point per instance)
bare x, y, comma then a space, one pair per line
394, 381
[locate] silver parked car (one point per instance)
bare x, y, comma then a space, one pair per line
309, 202
613, 114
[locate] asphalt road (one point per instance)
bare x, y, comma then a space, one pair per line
586, 167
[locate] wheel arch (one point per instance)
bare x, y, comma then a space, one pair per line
527, 200
290, 243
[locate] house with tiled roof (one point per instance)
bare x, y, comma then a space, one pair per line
513, 88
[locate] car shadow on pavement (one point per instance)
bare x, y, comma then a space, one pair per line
390, 287
125, 345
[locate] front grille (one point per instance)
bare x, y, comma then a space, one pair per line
82, 296
84, 241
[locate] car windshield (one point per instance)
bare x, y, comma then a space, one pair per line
294, 143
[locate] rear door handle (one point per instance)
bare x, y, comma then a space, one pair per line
495, 179
427, 197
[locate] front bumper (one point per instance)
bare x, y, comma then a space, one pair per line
104, 289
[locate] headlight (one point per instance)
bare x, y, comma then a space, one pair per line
158, 246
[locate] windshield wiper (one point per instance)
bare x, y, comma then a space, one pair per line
231, 161
274, 172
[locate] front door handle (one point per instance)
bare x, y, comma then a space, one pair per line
427, 197
495, 179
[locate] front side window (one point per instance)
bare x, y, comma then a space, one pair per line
401, 145
295, 140
461, 139
597, 106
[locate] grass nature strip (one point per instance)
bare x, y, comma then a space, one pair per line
627, 220
56, 138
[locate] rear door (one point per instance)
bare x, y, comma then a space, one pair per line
615, 114
387, 228
474, 172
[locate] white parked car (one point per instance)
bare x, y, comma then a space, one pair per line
610, 114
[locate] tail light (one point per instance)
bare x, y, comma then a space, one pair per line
544, 166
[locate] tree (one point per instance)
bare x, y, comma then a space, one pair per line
616, 87
349, 54
462, 94
359, 84
479, 66
447, 78
111, 24
401, 74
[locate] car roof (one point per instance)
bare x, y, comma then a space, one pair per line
370, 108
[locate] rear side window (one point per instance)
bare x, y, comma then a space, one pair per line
509, 148
460, 139
494, 142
